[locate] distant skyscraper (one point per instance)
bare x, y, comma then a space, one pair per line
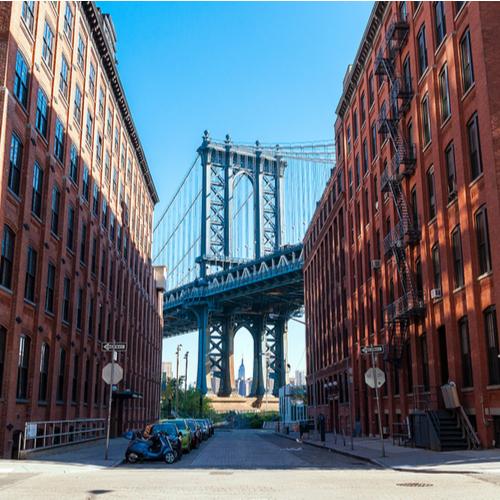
166, 368
241, 371
241, 385
300, 378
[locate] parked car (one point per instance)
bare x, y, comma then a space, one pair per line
210, 426
187, 437
205, 432
157, 447
172, 431
195, 431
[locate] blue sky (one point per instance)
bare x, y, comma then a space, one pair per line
268, 71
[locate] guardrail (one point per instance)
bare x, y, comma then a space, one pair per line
44, 435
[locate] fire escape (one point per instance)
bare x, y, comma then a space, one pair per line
409, 306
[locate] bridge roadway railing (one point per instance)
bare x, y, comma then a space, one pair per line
284, 261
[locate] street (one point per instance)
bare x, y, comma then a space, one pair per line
246, 464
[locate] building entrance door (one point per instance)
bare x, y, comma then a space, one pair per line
443, 355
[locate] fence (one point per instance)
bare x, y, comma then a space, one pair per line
48, 434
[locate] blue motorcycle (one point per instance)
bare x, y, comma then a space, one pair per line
157, 447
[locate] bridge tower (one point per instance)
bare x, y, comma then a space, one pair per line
221, 164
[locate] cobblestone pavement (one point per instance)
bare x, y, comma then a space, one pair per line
253, 465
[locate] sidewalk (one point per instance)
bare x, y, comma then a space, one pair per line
73, 458
410, 459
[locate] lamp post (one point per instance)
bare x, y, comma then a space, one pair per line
178, 350
186, 373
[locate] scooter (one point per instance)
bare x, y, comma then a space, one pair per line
158, 447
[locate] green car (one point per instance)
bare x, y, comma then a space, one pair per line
186, 433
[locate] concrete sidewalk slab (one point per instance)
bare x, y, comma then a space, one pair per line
411, 459
72, 458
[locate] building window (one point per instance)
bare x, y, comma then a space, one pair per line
463, 328
440, 22
60, 376
426, 121
44, 372
407, 75
371, 95
77, 112
101, 101
49, 289
7, 258
80, 55
29, 284
88, 128
107, 167
436, 266
466, 60
47, 45
86, 385
66, 300
83, 243
85, 183
362, 108
449, 156
36, 197
348, 139
358, 171
59, 141
28, 15
490, 328
42, 113
365, 156
16, 155
79, 309
93, 266
70, 235
403, 11
374, 141
23, 367
91, 317
112, 227
115, 179
103, 267
355, 124
483, 241
104, 219
73, 164
458, 264
92, 79
21, 80
432, 193
98, 150
444, 93
422, 51
55, 206
68, 21
74, 384
476, 164
425, 361
63, 78
95, 199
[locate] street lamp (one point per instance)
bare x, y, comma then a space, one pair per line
178, 350
186, 375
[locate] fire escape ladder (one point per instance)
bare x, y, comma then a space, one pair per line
409, 306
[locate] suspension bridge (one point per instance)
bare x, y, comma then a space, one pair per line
231, 240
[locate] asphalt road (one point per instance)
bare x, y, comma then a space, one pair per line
247, 464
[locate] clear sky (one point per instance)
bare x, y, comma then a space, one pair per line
268, 71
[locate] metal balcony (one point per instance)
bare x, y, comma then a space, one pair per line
410, 306
397, 34
384, 66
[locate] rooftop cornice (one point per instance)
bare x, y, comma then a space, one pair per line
364, 50
95, 21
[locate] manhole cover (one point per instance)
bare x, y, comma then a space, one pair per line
415, 485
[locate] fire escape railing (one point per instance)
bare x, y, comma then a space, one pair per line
409, 306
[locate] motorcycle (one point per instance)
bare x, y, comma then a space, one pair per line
157, 447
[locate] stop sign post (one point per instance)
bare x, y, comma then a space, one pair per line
112, 373
377, 377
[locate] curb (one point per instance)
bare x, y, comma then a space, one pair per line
377, 462
340, 452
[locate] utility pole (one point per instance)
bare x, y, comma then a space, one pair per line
178, 350
186, 374
377, 395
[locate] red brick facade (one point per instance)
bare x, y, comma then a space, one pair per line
76, 239
456, 246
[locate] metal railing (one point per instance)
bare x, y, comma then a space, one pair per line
49, 434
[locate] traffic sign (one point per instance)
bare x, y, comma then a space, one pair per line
373, 375
112, 373
368, 349
114, 346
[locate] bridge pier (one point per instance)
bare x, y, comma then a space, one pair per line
201, 379
227, 372
258, 331
279, 349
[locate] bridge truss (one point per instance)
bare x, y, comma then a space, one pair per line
231, 239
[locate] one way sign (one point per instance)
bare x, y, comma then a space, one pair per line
114, 346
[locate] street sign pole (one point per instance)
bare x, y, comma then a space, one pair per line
110, 400
378, 403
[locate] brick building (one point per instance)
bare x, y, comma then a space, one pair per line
404, 248
76, 208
